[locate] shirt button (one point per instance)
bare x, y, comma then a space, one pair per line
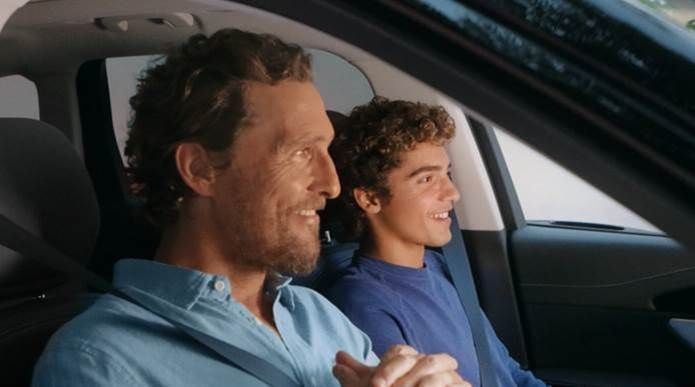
219, 286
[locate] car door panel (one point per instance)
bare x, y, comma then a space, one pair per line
588, 301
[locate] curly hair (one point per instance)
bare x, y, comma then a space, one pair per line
369, 144
197, 95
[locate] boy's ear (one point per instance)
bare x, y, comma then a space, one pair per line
195, 167
368, 201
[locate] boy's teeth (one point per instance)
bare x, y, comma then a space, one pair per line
307, 212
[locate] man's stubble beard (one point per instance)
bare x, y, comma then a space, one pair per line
264, 242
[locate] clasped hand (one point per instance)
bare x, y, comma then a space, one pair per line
401, 366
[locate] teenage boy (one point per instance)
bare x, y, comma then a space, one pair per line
396, 199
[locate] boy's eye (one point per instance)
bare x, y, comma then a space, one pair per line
425, 179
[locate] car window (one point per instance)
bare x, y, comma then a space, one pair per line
122, 74
678, 12
18, 97
549, 192
342, 85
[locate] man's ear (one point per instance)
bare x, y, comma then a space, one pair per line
368, 201
195, 167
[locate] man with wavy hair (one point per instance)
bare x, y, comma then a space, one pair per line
396, 199
228, 149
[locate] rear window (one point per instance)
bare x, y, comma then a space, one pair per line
18, 97
341, 84
122, 74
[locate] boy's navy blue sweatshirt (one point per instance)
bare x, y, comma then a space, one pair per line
419, 307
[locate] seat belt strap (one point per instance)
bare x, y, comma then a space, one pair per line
23, 242
458, 263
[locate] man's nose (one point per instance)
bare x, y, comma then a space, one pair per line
326, 180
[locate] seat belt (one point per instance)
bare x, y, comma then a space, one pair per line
457, 261
23, 242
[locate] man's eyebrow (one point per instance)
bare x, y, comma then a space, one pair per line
282, 144
426, 168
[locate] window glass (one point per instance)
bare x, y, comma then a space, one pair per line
18, 97
341, 85
550, 192
122, 74
678, 12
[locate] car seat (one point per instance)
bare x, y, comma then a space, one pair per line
45, 188
336, 251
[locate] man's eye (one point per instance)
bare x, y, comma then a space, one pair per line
304, 153
425, 179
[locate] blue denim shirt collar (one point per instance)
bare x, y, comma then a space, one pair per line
184, 287
278, 284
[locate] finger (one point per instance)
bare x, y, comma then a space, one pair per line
346, 360
442, 379
392, 369
346, 376
430, 365
400, 349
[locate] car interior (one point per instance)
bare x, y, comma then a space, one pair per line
578, 303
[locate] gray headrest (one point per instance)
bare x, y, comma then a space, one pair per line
45, 188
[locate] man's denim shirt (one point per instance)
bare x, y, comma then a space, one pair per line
117, 343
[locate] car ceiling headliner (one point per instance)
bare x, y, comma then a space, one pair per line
55, 36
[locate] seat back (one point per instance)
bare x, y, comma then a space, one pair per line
45, 188
334, 258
